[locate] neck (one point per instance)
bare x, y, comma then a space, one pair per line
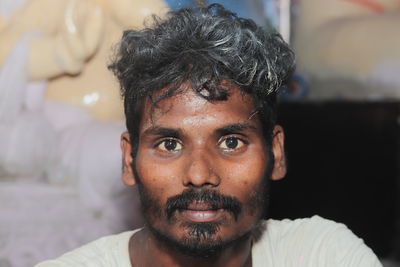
146, 250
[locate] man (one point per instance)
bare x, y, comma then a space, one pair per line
202, 145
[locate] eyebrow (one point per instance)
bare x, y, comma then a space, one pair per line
235, 127
225, 130
162, 131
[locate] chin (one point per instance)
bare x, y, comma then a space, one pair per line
199, 240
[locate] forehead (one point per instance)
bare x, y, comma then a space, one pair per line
188, 109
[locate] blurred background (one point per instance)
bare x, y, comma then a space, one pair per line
61, 118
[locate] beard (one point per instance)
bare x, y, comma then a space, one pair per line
201, 239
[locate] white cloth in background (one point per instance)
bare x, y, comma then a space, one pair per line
311, 242
27, 139
8, 7
13, 81
40, 221
59, 171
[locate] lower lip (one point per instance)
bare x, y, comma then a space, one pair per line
202, 215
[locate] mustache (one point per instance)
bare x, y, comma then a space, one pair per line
213, 198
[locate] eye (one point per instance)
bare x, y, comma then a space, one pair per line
231, 143
170, 145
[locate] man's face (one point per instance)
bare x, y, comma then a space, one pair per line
202, 170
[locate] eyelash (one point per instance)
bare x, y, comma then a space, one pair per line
219, 143
157, 144
225, 138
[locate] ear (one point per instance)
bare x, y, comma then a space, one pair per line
128, 176
278, 150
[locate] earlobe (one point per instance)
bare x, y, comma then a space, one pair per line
279, 170
128, 176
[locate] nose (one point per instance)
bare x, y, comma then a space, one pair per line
200, 171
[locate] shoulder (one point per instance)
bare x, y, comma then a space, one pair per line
313, 241
108, 251
311, 227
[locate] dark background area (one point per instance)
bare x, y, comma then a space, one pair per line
342, 165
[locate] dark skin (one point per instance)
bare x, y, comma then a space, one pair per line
188, 142
154, 254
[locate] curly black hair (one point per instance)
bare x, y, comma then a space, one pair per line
201, 47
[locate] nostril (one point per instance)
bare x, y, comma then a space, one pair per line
200, 173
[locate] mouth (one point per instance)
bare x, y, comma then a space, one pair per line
201, 212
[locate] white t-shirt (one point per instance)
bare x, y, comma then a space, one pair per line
311, 242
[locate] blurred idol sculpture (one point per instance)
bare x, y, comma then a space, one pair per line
60, 111
351, 43
56, 94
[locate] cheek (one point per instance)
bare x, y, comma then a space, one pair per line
245, 172
161, 178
